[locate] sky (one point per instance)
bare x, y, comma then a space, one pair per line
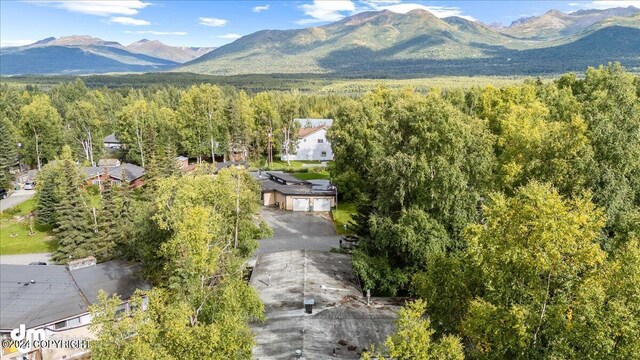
215, 23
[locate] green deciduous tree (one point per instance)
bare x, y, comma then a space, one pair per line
535, 253
40, 130
413, 338
201, 128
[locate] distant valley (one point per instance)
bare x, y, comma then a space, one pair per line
369, 44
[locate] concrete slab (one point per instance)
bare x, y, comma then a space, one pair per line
297, 231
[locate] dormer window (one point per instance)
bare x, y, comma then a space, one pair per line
320, 141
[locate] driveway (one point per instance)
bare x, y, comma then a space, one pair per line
16, 198
24, 259
294, 230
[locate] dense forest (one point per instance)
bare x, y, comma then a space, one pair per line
514, 213
511, 214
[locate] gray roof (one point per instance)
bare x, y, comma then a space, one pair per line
286, 178
112, 139
52, 297
340, 313
303, 187
58, 293
131, 171
114, 277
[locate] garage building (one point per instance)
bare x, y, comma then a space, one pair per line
290, 193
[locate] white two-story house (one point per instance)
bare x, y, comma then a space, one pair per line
312, 141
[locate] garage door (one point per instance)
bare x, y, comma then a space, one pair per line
300, 204
322, 205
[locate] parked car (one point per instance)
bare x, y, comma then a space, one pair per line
30, 185
3, 193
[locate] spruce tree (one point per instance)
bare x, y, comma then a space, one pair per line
108, 227
74, 230
7, 152
47, 197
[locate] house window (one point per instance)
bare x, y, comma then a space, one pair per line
96, 182
115, 182
323, 154
304, 140
60, 325
320, 141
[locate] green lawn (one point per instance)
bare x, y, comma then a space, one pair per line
280, 165
15, 238
14, 234
342, 215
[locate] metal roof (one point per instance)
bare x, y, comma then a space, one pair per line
57, 293
52, 297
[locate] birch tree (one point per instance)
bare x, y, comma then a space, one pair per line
84, 125
267, 120
40, 130
199, 114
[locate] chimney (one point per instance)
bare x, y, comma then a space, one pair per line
82, 263
308, 305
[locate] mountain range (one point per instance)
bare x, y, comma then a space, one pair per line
82, 54
368, 44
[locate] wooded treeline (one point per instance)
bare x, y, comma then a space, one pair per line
200, 122
514, 213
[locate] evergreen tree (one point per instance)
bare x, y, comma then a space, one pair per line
108, 228
74, 232
7, 151
48, 197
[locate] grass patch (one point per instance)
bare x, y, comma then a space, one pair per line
15, 238
342, 216
322, 175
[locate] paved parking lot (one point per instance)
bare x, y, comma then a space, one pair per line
297, 231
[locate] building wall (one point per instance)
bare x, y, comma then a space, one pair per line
289, 200
308, 148
281, 200
268, 198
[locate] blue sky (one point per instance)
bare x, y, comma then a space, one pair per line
215, 23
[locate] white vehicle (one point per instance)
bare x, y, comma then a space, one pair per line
30, 185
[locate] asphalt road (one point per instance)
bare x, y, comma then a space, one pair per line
17, 198
293, 230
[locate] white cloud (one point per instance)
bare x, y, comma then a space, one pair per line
97, 7
605, 4
439, 11
261, 8
7, 43
323, 11
212, 21
230, 36
129, 21
154, 32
